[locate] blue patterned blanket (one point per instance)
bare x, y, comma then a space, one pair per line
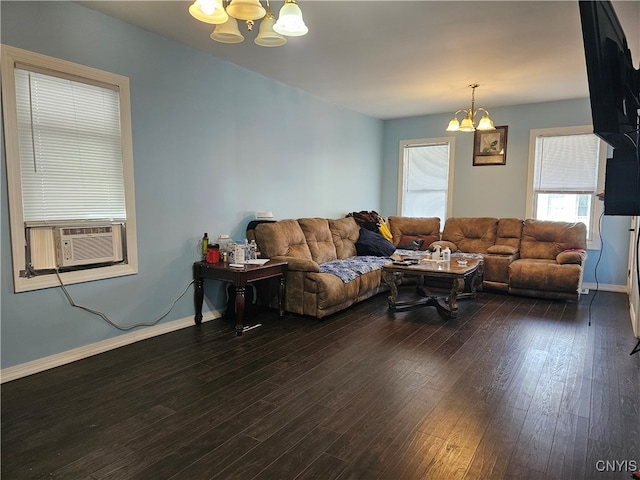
349, 269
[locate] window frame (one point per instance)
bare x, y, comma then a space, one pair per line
9, 57
401, 169
593, 243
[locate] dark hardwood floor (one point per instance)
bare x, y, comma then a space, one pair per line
513, 388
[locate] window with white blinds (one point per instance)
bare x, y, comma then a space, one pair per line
565, 176
567, 163
69, 159
70, 149
425, 177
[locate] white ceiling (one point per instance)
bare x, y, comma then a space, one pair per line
396, 58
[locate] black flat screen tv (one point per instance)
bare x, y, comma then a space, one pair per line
614, 84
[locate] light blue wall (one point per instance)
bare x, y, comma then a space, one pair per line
501, 190
213, 143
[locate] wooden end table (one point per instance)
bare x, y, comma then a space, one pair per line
240, 277
446, 305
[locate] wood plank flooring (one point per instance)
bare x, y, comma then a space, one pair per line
514, 387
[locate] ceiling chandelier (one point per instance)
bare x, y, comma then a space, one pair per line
468, 122
225, 14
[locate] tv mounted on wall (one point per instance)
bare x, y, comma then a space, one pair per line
614, 90
614, 84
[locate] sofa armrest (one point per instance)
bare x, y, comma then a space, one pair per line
298, 264
577, 256
502, 250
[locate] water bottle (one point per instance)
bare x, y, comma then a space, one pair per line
446, 254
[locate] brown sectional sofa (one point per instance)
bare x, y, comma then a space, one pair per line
527, 257
306, 244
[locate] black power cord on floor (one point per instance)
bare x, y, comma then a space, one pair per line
112, 323
595, 271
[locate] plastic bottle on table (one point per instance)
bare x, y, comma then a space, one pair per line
205, 245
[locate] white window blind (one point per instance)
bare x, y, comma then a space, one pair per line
426, 180
70, 149
567, 163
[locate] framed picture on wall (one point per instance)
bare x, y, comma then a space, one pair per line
490, 146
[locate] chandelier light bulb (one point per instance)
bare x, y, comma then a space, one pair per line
208, 11
208, 7
290, 22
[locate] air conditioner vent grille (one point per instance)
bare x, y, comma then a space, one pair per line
89, 248
85, 245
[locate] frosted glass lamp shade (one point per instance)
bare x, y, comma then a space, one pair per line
246, 9
454, 125
227, 32
266, 36
467, 124
290, 22
208, 11
486, 123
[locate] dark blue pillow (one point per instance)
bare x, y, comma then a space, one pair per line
372, 243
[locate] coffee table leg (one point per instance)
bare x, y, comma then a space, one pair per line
389, 279
239, 310
458, 286
476, 279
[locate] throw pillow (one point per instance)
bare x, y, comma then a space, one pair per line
372, 243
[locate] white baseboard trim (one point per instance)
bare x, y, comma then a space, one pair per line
604, 287
52, 361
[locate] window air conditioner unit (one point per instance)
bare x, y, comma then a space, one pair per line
84, 245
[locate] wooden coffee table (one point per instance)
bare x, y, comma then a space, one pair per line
446, 305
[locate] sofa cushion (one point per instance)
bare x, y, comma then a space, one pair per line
319, 239
405, 228
283, 238
539, 275
345, 233
546, 239
471, 235
372, 243
509, 232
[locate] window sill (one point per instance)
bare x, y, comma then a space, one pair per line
68, 278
